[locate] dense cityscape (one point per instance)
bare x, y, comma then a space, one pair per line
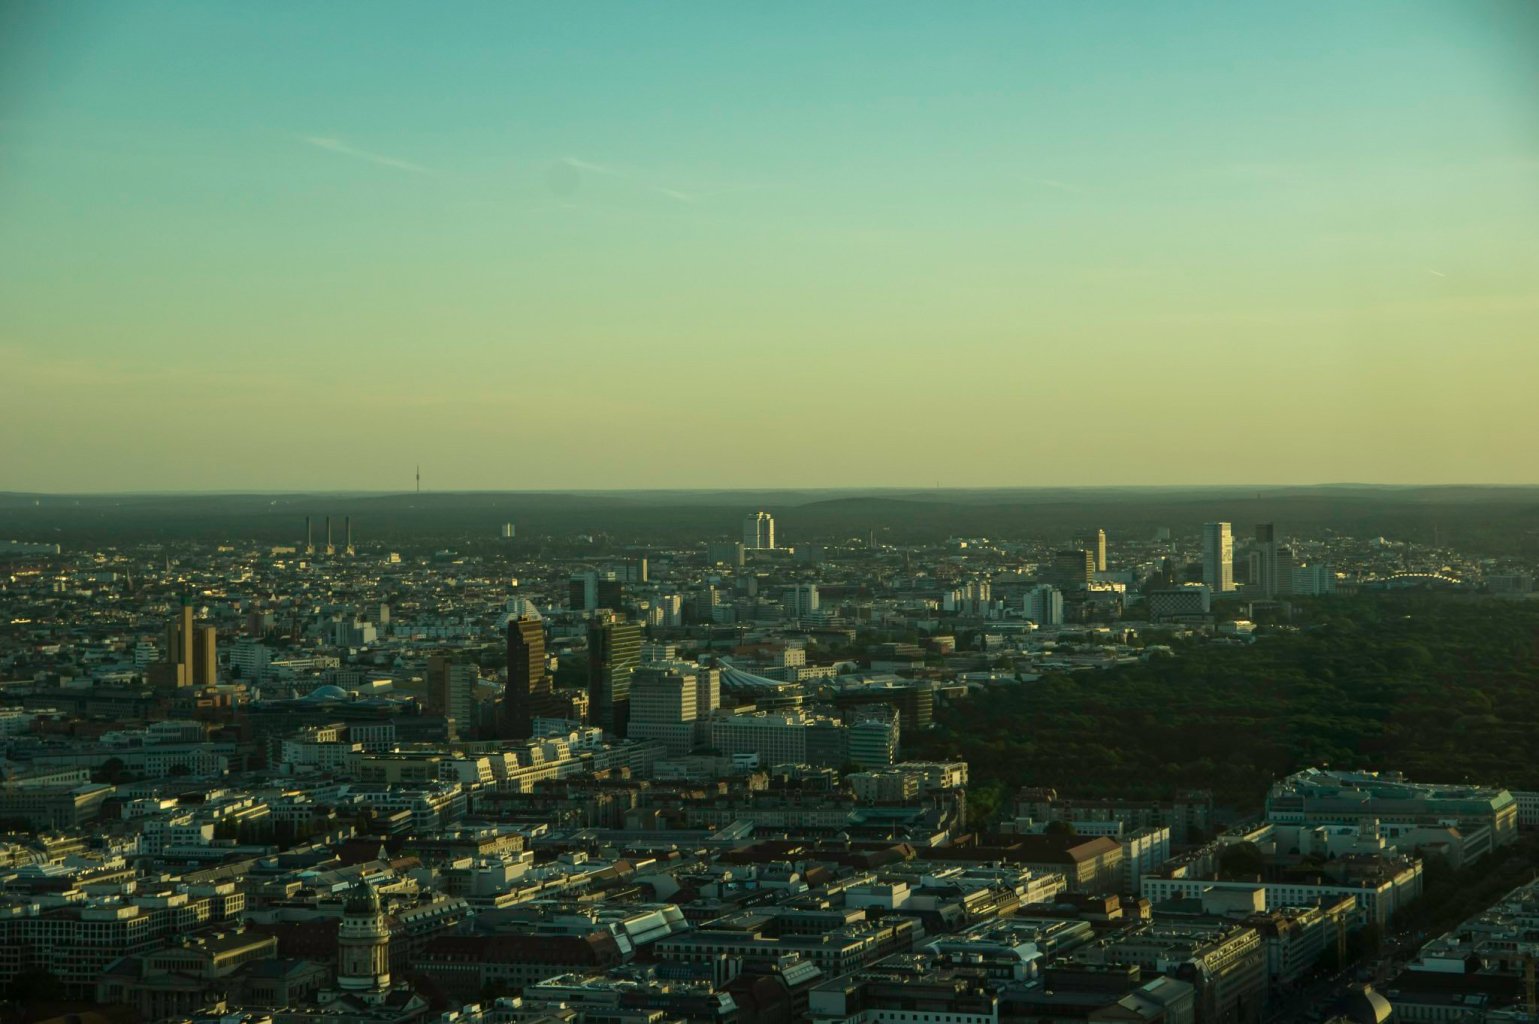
567, 778
1009, 512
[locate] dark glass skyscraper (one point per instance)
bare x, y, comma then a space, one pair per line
1072, 570
528, 693
614, 651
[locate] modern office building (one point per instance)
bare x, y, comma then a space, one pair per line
614, 651
591, 591
1188, 600
1073, 569
1314, 580
759, 531
191, 652
181, 642
528, 694
1043, 605
665, 704
205, 655
725, 552
667, 611
1269, 575
1218, 557
1095, 542
451, 691
914, 700
872, 740
799, 600
1323, 797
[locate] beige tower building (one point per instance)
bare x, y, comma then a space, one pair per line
191, 652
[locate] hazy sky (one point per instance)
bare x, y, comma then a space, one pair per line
310, 245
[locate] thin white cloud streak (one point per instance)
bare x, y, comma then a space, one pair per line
1436, 273
338, 146
638, 178
591, 167
673, 193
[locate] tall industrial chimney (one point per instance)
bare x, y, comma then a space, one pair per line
329, 548
309, 540
347, 534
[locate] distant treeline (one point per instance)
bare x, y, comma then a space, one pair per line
1472, 520
1442, 687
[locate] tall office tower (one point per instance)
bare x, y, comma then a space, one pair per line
1266, 566
759, 531
582, 591
1217, 557
707, 690
509, 531
309, 538
669, 610
665, 702
190, 656
1043, 605
590, 591
1095, 541
614, 651
1073, 570
451, 692
528, 695
177, 669
1286, 563
799, 600
205, 656
872, 740
329, 549
183, 641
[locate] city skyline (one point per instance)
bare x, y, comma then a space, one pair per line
294, 248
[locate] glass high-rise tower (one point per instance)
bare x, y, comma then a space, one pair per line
614, 651
758, 531
1217, 557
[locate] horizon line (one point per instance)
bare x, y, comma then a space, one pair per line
898, 488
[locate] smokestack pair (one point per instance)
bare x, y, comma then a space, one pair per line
347, 534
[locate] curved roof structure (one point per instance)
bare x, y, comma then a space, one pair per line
361, 899
1363, 1005
734, 678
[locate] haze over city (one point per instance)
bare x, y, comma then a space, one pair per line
296, 247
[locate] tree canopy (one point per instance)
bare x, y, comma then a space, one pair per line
1442, 687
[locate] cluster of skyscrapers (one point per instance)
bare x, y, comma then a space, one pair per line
1273, 571
190, 657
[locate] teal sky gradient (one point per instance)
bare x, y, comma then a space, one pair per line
299, 245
